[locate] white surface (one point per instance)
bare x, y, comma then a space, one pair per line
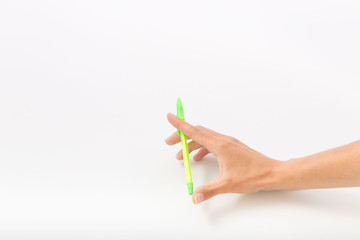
84, 91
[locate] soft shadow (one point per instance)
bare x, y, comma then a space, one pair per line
319, 200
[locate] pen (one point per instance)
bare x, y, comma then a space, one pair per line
185, 149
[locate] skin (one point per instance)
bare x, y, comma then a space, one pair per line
244, 170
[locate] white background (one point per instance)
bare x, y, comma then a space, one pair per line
84, 91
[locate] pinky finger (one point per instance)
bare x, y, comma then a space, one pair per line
201, 153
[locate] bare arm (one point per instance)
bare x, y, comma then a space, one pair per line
337, 167
244, 170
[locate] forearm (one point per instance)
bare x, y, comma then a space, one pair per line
337, 167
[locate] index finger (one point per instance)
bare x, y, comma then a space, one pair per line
198, 135
173, 139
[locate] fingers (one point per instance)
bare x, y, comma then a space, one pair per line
231, 139
191, 146
197, 134
208, 191
228, 138
173, 139
200, 154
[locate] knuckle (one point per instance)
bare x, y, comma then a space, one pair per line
195, 130
229, 181
224, 143
187, 128
232, 139
183, 125
177, 125
199, 127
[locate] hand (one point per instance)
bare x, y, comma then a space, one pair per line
242, 169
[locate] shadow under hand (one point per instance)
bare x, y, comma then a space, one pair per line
338, 202
315, 201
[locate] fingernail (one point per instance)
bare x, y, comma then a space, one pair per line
179, 154
199, 197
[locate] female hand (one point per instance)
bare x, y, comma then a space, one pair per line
242, 169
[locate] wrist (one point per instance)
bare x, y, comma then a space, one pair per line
282, 177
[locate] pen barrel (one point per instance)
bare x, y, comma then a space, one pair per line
186, 158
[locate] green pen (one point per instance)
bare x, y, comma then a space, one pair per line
185, 149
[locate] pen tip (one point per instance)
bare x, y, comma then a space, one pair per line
190, 188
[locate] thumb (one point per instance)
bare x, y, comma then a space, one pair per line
207, 191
